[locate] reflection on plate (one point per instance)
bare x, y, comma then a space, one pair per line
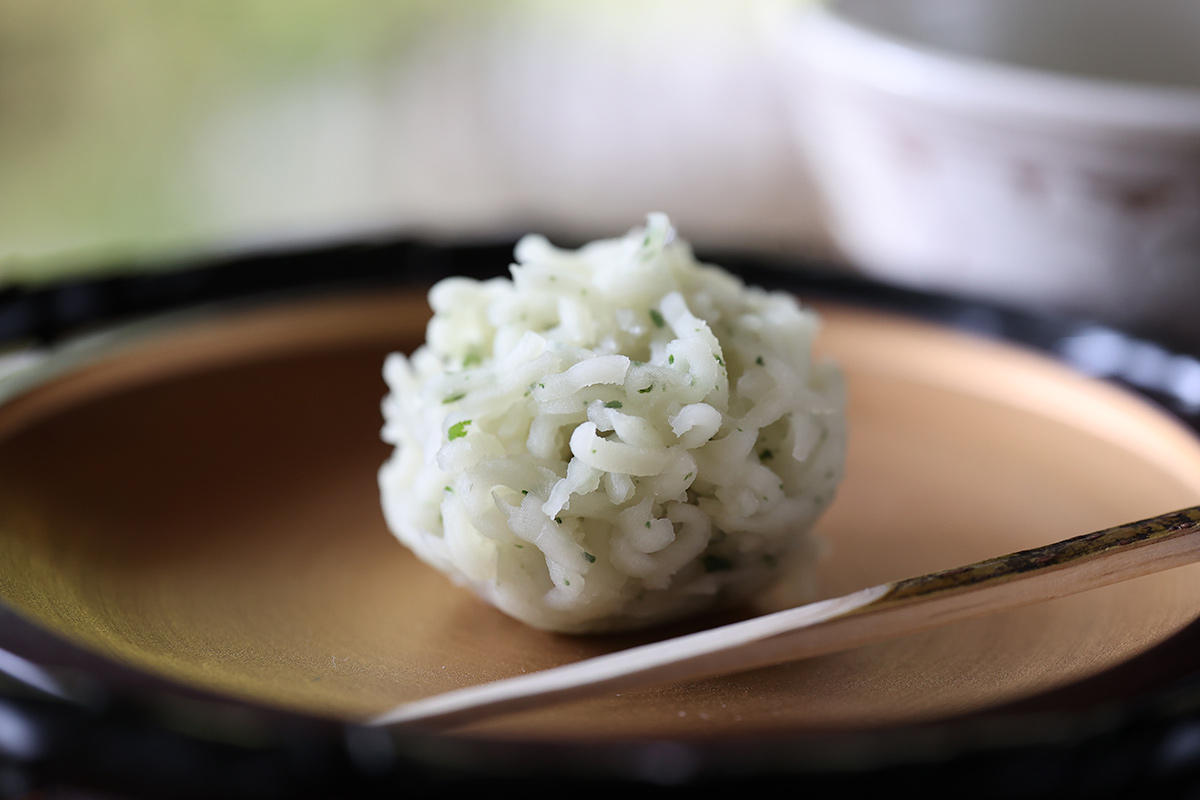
201, 504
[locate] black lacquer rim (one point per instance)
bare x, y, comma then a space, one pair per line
129, 735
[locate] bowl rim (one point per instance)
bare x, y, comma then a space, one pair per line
829, 42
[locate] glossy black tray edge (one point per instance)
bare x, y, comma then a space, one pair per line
159, 740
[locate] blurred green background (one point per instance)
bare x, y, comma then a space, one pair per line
133, 133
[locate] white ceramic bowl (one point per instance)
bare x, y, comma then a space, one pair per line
1041, 152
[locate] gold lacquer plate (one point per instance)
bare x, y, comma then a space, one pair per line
198, 501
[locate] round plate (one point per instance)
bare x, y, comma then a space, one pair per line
197, 500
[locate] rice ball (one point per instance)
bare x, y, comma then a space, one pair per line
616, 437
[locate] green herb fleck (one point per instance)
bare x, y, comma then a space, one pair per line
454, 398
458, 430
670, 359
591, 559
765, 454
447, 489
657, 317
524, 491
558, 520
472, 360
760, 361
647, 523
720, 360
688, 476
613, 404
646, 390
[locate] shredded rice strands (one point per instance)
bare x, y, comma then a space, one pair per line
615, 437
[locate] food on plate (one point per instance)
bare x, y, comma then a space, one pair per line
616, 436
